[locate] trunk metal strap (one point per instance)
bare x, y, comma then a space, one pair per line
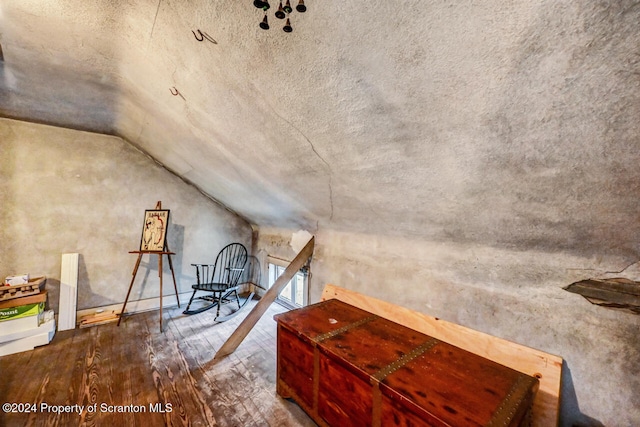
343, 329
391, 368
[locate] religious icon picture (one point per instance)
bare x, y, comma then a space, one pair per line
154, 231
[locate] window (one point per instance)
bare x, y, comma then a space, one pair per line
295, 293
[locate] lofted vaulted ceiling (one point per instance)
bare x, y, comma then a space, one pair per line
500, 123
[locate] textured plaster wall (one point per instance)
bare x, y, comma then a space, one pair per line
516, 295
499, 123
478, 155
71, 191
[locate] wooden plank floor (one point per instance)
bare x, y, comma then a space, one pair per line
137, 376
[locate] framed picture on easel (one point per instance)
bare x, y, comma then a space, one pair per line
154, 230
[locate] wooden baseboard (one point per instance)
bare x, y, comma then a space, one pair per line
138, 306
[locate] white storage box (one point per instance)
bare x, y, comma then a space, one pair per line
19, 279
28, 339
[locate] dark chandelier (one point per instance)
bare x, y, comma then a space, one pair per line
281, 13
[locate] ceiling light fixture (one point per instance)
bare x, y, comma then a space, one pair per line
282, 12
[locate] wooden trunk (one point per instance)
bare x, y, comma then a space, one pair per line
347, 367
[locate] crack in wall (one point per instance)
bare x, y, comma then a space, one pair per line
155, 18
600, 272
623, 270
313, 148
322, 159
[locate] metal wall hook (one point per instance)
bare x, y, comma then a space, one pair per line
176, 92
203, 36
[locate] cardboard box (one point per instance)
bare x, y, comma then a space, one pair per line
34, 287
20, 279
27, 330
28, 340
28, 310
15, 323
31, 299
19, 325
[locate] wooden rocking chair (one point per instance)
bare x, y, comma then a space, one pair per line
219, 280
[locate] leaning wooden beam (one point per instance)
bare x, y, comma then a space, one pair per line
252, 318
546, 367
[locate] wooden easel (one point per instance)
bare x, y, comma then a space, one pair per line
135, 271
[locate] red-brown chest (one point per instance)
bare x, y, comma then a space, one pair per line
347, 367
